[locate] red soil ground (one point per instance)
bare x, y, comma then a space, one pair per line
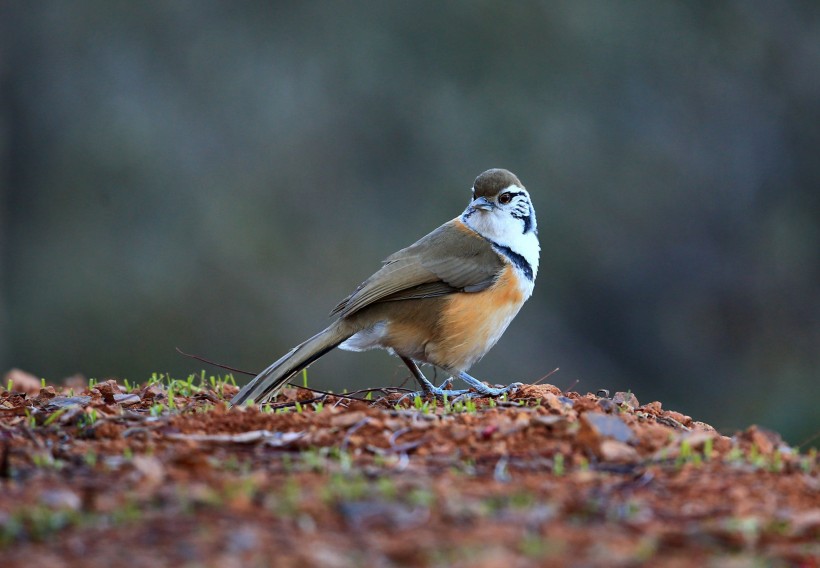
101, 477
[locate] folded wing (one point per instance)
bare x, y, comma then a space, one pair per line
453, 258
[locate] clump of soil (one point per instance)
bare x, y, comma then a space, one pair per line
167, 474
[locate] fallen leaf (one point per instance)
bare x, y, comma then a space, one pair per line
606, 426
59, 402
270, 438
127, 399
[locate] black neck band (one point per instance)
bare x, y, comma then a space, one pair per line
517, 259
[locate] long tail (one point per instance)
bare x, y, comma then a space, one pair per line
267, 383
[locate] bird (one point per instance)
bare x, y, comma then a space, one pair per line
445, 300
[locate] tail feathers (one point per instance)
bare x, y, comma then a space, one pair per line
268, 383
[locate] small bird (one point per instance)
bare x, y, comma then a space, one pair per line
445, 300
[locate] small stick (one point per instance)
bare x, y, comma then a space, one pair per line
548, 375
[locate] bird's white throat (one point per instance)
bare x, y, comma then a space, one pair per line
505, 230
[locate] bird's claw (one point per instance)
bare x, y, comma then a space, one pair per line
480, 390
484, 390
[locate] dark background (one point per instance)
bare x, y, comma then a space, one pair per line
217, 175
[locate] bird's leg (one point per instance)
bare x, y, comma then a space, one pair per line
484, 390
426, 386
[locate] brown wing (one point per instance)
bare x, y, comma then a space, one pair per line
451, 259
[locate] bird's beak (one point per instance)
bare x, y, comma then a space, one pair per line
482, 203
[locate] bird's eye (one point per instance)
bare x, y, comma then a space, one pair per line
504, 198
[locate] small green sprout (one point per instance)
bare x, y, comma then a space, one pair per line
90, 458
558, 465
54, 416
708, 447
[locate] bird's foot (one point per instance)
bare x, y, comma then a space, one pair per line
477, 390
429, 389
445, 393
484, 390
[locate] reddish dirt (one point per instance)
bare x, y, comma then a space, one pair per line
105, 478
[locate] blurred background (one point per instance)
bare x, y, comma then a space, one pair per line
217, 175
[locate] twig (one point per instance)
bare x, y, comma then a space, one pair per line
208, 362
572, 386
295, 402
811, 438
548, 375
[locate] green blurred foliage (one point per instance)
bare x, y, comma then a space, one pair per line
217, 175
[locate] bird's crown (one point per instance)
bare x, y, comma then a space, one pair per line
492, 182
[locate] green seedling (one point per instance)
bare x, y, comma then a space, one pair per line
558, 465
687, 455
467, 405
31, 420
46, 460
421, 497
708, 447
90, 417
54, 416
776, 463
90, 458
537, 547
386, 487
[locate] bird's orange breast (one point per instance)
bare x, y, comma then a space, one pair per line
471, 323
